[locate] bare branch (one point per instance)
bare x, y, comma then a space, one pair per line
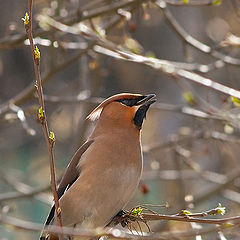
24, 190
42, 112
191, 40
191, 3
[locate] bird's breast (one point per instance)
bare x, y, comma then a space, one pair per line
110, 172
116, 152
117, 166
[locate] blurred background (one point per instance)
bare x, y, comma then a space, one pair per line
191, 136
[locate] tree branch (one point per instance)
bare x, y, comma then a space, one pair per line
42, 113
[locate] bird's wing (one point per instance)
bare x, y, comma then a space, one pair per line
69, 177
72, 172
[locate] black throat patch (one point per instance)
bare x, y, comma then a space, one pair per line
140, 115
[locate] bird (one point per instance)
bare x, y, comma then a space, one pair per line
105, 171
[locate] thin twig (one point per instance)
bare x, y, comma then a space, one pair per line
190, 3
231, 176
29, 91
23, 190
198, 134
153, 217
42, 112
77, 16
191, 40
107, 47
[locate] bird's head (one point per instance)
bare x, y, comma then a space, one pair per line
124, 108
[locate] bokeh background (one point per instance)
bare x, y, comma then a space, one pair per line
191, 136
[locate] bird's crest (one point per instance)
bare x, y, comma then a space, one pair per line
95, 114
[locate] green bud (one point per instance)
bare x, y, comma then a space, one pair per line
36, 53
137, 211
26, 19
185, 212
236, 101
40, 114
52, 138
216, 2
220, 210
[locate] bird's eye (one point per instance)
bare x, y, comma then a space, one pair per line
126, 102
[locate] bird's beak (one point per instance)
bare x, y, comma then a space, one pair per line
147, 100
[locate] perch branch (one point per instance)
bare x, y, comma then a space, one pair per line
227, 223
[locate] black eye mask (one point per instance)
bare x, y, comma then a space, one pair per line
130, 102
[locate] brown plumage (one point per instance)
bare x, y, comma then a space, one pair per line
105, 171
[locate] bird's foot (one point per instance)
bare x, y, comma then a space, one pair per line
121, 213
124, 222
